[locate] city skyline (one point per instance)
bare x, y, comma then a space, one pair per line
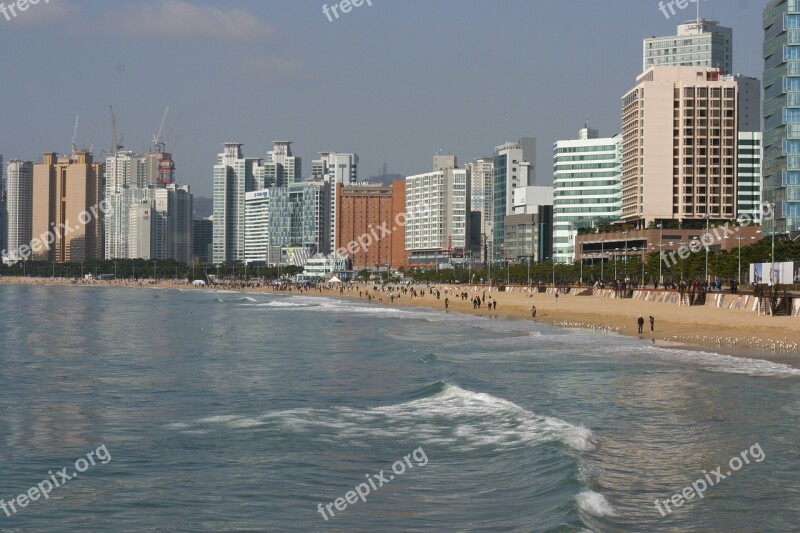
364, 107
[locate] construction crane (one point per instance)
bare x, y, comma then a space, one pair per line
74, 140
158, 141
115, 146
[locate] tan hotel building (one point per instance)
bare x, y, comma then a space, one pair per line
679, 145
63, 189
362, 210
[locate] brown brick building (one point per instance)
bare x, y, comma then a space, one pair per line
364, 215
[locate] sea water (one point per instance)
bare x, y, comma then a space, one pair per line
227, 411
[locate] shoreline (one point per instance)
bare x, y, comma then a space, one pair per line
735, 333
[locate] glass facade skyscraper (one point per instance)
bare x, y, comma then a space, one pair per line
782, 112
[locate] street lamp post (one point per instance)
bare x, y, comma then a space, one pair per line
644, 254
625, 259
660, 254
772, 257
682, 243
708, 219
740, 239
529, 271
602, 259
154, 271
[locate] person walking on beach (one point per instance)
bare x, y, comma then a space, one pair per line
446, 303
641, 323
652, 323
533, 312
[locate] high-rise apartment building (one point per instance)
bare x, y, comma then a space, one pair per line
482, 172
19, 204
588, 187
513, 167
749, 111
202, 239
131, 180
118, 217
335, 168
159, 166
699, 43
528, 233
368, 215
298, 222
437, 209
173, 208
234, 176
679, 144
67, 193
140, 223
256, 227
3, 210
748, 172
781, 141
281, 168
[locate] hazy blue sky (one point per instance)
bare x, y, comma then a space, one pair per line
394, 82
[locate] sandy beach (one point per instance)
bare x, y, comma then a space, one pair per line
739, 333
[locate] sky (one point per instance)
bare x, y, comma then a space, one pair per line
394, 82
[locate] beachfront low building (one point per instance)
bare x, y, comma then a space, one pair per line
615, 247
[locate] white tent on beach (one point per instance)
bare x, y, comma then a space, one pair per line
334, 279
199, 283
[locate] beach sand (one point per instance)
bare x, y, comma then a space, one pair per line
739, 333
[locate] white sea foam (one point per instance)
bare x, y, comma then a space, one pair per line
278, 303
469, 419
594, 503
715, 362
218, 418
245, 423
246, 299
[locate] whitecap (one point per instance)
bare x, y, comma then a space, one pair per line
218, 418
594, 503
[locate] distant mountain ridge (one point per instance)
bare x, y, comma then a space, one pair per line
203, 207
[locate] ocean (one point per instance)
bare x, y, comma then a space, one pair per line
198, 410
